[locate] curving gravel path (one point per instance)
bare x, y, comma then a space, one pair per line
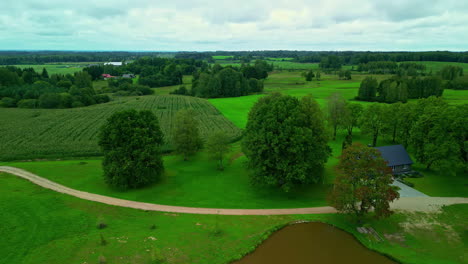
405, 203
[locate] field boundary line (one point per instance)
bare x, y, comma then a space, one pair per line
407, 203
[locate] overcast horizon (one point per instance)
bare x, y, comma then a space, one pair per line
206, 25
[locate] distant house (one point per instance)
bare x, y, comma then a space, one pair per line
115, 63
129, 76
397, 158
106, 76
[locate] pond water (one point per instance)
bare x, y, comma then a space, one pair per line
310, 243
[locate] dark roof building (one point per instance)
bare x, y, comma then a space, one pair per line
397, 158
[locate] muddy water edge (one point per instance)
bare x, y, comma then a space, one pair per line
313, 243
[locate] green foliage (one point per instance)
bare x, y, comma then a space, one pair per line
344, 75
83, 80
451, 72
286, 141
336, 111
363, 183
131, 143
330, 63
351, 117
372, 121
368, 89
434, 134
228, 82
187, 140
309, 75
182, 90
218, 146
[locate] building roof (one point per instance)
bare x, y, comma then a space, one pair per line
115, 63
395, 155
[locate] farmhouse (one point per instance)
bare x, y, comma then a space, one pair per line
129, 76
397, 158
106, 76
115, 63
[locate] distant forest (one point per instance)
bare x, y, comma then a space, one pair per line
345, 57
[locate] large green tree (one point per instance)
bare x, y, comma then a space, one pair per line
131, 142
286, 141
187, 140
336, 111
432, 140
217, 146
368, 89
351, 116
372, 120
363, 182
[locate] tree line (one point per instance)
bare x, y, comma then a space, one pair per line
218, 81
399, 89
25, 88
434, 131
347, 57
41, 57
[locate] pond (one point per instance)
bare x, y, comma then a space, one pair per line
310, 243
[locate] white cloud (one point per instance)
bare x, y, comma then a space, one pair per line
247, 25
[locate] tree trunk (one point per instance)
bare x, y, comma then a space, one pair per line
334, 132
221, 167
374, 141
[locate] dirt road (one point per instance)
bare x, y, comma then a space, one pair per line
406, 203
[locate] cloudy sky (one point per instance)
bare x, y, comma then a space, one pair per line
172, 25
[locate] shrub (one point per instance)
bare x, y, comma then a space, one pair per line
7, 102
28, 103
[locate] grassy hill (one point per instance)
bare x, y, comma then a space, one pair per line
42, 133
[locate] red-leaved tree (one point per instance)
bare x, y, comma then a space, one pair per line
363, 183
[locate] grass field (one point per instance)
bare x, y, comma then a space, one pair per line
44, 227
59, 133
436, 66
221, 57
62, 68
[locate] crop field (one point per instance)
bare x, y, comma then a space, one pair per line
33, 133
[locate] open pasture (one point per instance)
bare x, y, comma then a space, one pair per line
62, 68
41, 133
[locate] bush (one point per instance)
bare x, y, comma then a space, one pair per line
101, 98
101, 225
7, 102
28, 103
182, 90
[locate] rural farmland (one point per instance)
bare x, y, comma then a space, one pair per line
214, 132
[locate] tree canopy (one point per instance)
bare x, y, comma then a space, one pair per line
131, 142
286, 141
363, 182
187, 138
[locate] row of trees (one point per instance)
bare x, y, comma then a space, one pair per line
228, 82
391, 67
434, 131
25, 88
131, 142
126, 87
399, 89
347, 57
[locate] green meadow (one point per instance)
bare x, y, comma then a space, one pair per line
41, 226
62, 68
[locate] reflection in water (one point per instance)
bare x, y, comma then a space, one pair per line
311, 243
